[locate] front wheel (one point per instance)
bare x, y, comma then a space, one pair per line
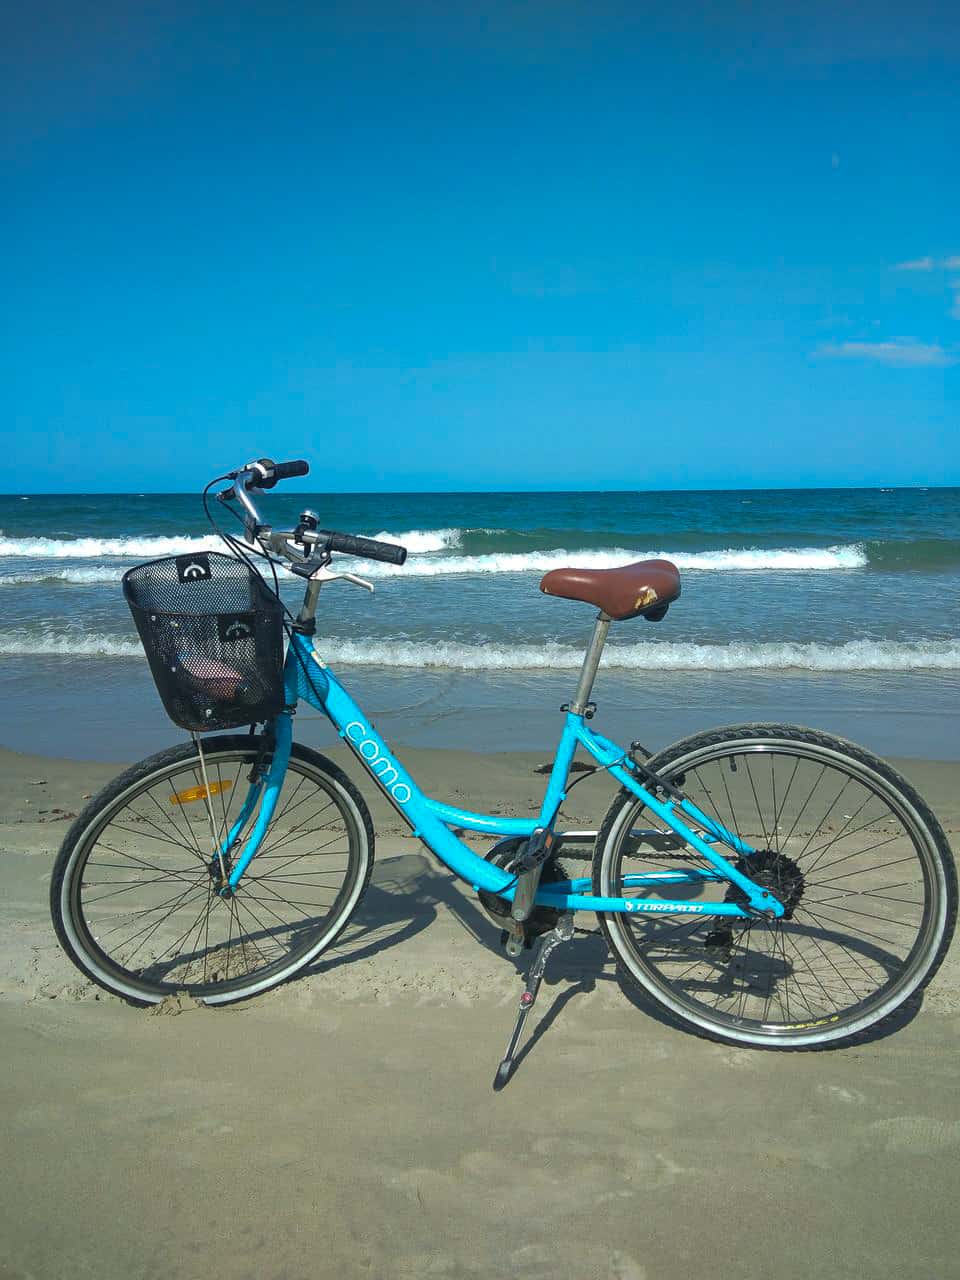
850, 849
137, 888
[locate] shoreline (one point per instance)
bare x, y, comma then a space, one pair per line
503, 782
104, 708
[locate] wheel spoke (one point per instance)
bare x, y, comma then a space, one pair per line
177, 807
145, 899
783, 801
756, 800
836, 845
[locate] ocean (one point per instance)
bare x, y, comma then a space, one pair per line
838, 608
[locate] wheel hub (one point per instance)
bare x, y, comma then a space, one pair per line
774, 872
218, 873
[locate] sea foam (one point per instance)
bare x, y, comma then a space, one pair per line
855, 655
430, 556
94, 548
418, 541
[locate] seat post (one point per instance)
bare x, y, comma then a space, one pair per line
591, 660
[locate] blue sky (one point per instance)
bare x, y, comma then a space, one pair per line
512, 245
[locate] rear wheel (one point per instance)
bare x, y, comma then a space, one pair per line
846, 844
135, 889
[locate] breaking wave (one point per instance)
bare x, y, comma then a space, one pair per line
418, 541
93, 548
424, 560
732, 559
855, 655
69, 645
480, 550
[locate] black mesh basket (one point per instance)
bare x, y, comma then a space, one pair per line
213, 632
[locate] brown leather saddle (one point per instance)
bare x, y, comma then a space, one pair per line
646, 588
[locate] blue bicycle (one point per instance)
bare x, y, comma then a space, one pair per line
767, 885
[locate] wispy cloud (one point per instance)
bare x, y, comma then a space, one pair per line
903, 353
930, 264
907, 353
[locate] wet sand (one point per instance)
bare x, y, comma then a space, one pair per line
344, 1125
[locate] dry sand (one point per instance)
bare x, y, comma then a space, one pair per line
344, 1125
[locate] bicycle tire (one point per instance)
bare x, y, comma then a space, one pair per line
707, 962
178, 851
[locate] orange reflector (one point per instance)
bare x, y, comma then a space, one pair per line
198, 793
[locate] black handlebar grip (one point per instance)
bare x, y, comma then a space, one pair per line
278, 471
287, 470
369, 548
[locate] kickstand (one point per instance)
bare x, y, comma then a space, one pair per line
563, 932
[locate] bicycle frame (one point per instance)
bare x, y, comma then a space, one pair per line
307, 676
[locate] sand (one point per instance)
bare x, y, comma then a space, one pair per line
345, 1126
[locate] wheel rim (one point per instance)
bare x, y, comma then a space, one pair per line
142, 893
866, 921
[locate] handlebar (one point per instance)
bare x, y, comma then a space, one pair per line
271, 472
351, 544
264, 473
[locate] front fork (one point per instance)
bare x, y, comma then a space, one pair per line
264, 791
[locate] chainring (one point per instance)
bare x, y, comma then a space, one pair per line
541, 919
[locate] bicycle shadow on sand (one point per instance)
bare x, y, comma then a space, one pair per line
409, 893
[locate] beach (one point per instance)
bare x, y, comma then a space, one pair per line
344, 1125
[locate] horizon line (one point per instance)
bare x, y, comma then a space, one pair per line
183, 493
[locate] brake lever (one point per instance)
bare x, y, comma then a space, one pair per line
354, 580
313, 567
321, 573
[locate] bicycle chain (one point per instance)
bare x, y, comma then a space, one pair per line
565, 874
559, 872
